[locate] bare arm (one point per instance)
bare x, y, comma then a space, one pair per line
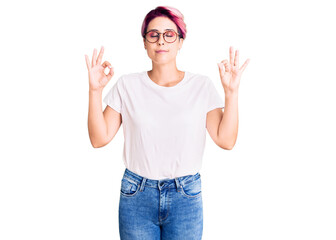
102, 126
228, 126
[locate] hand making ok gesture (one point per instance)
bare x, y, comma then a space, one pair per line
97, 77
230, 77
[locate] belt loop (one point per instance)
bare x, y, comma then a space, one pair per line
178, 186
143, 184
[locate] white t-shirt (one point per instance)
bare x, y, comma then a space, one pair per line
164, 127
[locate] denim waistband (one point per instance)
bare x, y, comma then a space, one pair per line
163, 183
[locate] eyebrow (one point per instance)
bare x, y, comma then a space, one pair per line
158, 30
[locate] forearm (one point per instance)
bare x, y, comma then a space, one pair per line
96, 122
228, 127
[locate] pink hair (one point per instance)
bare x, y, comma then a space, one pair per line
165, 11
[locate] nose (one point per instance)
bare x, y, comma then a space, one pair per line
161, 40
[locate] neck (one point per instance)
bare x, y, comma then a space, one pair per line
164, 74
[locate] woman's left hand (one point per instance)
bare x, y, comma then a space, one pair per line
230, 77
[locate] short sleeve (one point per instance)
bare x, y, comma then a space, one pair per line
214, 99
114, 96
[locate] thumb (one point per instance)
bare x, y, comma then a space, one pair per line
111, 73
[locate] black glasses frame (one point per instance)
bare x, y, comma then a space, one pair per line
164, 34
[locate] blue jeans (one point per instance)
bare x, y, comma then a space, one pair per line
168, 209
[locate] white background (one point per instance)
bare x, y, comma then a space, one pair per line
278, 182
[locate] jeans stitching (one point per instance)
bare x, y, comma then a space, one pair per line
191, 182
132, 181
161, 220
194, 196
136, 191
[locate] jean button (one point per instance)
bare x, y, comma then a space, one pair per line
161, 184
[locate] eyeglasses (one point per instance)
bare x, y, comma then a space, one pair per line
169, 36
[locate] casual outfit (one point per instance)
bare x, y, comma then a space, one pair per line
164, 139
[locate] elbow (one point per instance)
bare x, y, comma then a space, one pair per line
94, 145
227, 146
227, 143
97, 145
98, 142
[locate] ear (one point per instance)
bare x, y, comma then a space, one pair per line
180, 43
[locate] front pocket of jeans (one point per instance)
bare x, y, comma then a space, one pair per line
192, 189
128, 187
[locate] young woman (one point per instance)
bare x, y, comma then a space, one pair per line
165, 113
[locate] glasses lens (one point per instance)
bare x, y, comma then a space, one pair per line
152, 36
170, 36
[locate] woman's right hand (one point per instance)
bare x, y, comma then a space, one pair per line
97, 77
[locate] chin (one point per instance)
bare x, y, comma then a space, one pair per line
162, 59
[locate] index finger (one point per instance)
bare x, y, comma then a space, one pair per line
100, 56
231, 56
